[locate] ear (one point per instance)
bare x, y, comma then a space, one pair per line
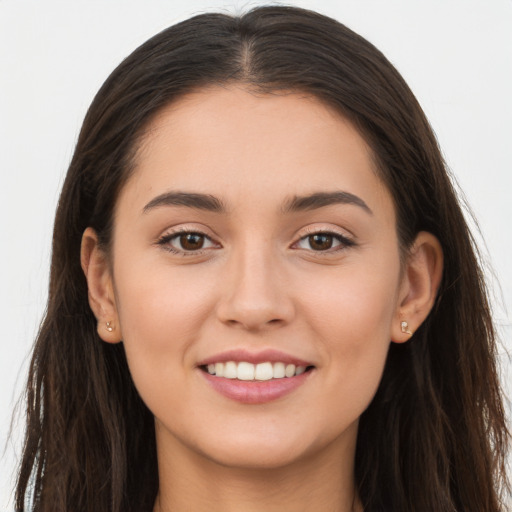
420, 283
101, 290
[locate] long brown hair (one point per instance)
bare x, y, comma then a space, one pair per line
434, 437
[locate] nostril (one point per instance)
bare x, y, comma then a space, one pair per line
254, 324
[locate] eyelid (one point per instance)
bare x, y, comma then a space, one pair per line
172, 233
344, 239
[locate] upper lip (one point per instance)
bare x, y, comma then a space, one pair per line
263, 356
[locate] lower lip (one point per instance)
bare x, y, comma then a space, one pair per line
254, 391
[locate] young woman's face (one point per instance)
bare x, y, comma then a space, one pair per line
255, 233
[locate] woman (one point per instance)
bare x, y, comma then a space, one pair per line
263, 292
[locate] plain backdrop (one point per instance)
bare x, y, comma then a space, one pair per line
455, 55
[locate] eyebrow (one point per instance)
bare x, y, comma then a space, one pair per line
322, 199
210, 203
197, 201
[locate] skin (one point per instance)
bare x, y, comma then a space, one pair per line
257, 283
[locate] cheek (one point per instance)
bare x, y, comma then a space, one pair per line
161, 314
352, 322
157, 302
355, 304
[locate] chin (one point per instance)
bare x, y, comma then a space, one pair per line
257, 457
267, 449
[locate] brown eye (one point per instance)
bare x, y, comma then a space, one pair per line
187, 242
320, 242
191, 241
324, 242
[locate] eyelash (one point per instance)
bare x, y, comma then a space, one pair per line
344, 242
165, 240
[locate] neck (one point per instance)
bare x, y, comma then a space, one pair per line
323, 481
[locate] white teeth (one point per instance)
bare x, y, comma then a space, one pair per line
219, 369
289, 371
249, 371
300, 369
279, 370
264, 371
245, 371
230, 371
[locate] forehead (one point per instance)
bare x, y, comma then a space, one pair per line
231, 142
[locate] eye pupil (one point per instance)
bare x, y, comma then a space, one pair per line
320, 242
191, 241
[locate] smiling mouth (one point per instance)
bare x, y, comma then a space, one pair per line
254, 372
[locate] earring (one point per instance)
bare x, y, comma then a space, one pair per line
405, 328
109, 327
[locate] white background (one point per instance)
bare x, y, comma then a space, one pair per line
455, 54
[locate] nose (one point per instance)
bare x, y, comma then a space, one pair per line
255, 296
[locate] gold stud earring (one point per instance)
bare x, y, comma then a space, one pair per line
109, 327
405, 327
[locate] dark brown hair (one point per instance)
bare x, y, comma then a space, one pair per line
434, 437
